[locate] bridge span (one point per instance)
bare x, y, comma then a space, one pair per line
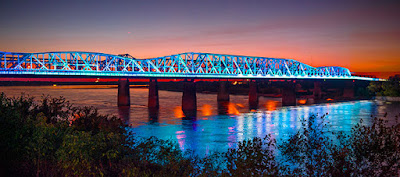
184, 65
189, 66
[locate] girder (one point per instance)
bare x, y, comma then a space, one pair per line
189, 64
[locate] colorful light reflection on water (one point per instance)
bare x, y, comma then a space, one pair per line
220, 132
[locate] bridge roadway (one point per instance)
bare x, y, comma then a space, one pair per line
189, 66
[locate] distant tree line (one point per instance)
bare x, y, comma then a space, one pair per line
388, 88
50, 137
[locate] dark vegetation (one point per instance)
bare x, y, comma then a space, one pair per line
388, 88
52, 138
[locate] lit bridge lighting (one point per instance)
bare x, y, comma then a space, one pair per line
184, 65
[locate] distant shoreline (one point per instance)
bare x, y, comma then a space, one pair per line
382, 75
388, 98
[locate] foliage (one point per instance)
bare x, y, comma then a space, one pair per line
254, 157
388, 88
363, 92
159, 157
309, 149
367, 151
376, 148
50, 137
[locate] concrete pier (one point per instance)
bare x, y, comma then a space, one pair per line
223, 97
153, 115
348, 90
189, 101
223, 91
317, 91
153, 94
123, 92
289, 94
124, 113
223, 107
253, 95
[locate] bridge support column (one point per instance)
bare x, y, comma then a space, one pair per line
253, 95
223, 91
348, 90
123, 92
124, 113
289, 94
153, 102
153, 115
189, 102
317, 91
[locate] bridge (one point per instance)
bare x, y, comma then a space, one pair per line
188, 66
184, 65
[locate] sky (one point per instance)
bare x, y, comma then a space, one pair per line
363, 36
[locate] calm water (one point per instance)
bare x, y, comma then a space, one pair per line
210, 131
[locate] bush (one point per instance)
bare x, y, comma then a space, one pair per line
367, 151
50, 137
310, 148
254, 157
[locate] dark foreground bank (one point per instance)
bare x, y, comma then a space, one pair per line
50, 137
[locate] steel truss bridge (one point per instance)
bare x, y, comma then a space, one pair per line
184, 65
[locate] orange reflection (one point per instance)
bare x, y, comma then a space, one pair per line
178, 113
329, 99
303, 101
240, 105
206, 110
232, 109
270, 105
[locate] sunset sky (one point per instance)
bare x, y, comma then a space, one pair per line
363, 36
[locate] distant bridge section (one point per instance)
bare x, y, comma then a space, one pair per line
184, 65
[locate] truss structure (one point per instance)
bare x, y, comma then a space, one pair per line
184, 65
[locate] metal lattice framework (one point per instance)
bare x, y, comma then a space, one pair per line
185, 65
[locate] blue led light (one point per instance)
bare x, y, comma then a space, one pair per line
184, 65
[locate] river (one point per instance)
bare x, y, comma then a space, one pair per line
211, 131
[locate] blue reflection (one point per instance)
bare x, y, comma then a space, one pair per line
220, 132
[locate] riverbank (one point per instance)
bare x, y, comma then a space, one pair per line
387, 98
